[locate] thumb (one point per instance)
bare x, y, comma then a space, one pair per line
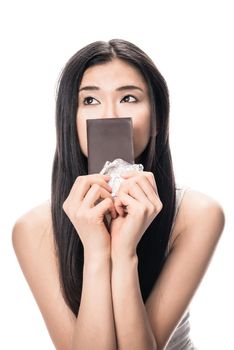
120, 205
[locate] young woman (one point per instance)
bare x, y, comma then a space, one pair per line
129, 287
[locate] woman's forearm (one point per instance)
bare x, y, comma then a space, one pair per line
94, 328
133, 329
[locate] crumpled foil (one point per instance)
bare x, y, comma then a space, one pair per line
115, 169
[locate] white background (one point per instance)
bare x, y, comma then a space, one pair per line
191, 42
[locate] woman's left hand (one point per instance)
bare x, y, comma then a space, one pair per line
139, 195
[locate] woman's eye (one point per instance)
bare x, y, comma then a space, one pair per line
88, 101
92, 101
128, 98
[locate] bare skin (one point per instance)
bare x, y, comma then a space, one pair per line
191, 250
110, 280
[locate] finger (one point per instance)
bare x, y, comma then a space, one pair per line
124, 200
95, 193
133, 189
142, 192
150, 176
118, 206
84, 183
133, 192
148, 190
106, 205
147, 174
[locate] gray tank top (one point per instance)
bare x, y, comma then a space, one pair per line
180, 339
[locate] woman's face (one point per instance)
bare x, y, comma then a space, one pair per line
114, 90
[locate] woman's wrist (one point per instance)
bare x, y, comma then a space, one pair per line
94, 258
124, 257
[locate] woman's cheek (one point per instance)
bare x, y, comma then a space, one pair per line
82, 134
141, 133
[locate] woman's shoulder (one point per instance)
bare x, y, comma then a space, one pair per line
195, 202
35, 250
196, 207
33, 226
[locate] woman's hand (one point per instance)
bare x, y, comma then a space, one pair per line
138, 194
86, 211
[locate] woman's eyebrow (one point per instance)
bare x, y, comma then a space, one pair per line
121, 88
129, 87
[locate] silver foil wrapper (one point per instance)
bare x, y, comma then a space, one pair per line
115, 169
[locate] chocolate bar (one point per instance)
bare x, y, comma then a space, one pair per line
108, 139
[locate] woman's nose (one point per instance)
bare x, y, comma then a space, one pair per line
110, 110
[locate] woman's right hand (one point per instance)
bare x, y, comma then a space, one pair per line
86, 213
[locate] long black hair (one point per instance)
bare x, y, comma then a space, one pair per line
70, 162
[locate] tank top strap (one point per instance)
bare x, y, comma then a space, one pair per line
180, 191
